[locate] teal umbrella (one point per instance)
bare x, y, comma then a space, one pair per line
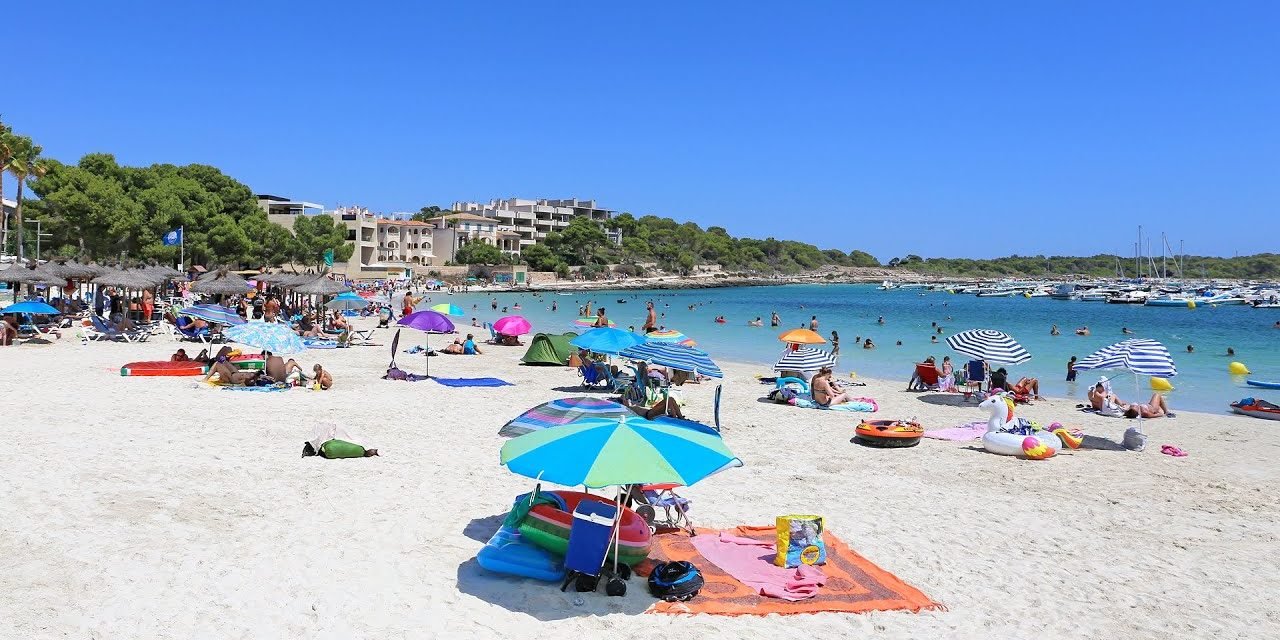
448, 309
616, 451
347, 301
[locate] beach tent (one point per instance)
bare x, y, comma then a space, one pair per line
549, 348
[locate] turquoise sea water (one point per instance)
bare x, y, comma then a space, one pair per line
1202, 383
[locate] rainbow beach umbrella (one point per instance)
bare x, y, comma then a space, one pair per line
560, 412
609, 452
672, 336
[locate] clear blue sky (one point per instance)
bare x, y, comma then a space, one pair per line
937, 128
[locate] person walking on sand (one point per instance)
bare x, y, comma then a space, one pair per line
813, 323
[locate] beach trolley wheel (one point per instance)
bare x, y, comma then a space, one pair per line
888, 434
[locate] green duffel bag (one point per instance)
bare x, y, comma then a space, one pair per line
341, 449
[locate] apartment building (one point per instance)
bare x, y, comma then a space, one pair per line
527, 222
392, 246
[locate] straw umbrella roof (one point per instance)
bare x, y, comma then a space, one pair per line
162, 272
321, 287
223, 282
124, 278
298, 280
274, 278
28, 275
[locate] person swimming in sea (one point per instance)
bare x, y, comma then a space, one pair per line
1126, 331
1053, 331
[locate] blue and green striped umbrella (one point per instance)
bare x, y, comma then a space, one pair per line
608, 452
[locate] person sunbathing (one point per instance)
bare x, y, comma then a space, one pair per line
228, 374
338, 323
824, 393
180, 356
1101, 400
322, 377
280, 370
1029, 387
455, 348
307, 327
1157, 407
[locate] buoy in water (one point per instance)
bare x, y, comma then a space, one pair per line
1238, 369
1160, 384
1191, 304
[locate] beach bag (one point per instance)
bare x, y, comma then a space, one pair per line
782, 396
800, 541
675, 581
395, 374
332, 449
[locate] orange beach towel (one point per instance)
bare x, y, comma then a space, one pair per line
853, 585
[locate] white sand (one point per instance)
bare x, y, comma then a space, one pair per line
149, 508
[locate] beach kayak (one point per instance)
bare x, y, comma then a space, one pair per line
1264, 385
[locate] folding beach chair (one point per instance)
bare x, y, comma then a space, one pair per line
975, 376
590, 535
651, 497
927, 374
106, 331
716, 406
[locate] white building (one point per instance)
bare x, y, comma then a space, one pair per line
391, 246
532, 220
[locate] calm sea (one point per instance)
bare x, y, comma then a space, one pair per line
854, 310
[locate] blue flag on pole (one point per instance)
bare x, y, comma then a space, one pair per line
173, 238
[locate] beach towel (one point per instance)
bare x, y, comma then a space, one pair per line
473, 382
320, 343
262, 389
853, 584
962, 433
866, 405
750, 561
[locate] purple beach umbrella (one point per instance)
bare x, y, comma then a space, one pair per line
428, 321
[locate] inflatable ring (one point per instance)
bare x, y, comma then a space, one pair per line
782, 382
889, 434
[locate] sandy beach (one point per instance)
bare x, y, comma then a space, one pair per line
160, 508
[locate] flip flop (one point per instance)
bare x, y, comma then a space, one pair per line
1171, 450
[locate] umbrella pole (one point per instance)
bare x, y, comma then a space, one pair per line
428, 367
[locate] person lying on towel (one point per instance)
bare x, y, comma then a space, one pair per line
228, 374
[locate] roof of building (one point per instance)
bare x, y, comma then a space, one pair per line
405, 223
467, 217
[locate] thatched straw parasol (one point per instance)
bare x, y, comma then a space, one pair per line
321, 286
223, 282
29, 275
161, 272
274, 278
124, 278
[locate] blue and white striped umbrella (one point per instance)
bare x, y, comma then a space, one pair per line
213, 313
989, 345
269, 336
1139, 355
674, 356
804, 359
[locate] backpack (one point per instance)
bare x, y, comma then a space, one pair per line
782, 396
675, 581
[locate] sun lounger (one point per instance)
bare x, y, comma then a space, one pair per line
103, 331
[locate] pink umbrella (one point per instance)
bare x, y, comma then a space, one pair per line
512, 326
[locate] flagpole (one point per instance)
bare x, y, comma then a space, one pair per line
182, 249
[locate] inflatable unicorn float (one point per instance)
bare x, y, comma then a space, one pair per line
1008, 435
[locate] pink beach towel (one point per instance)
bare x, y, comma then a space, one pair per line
750, 561
962, 433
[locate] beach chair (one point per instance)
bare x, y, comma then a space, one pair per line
590, 535
716, 406
675, 509
107, 332
185, 332
361, 338
927, 374
975, 377
595, 376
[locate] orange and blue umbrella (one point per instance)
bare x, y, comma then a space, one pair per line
672, 336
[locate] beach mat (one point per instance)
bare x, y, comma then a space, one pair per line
853, 583
263, 389
472, 382
962, 433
